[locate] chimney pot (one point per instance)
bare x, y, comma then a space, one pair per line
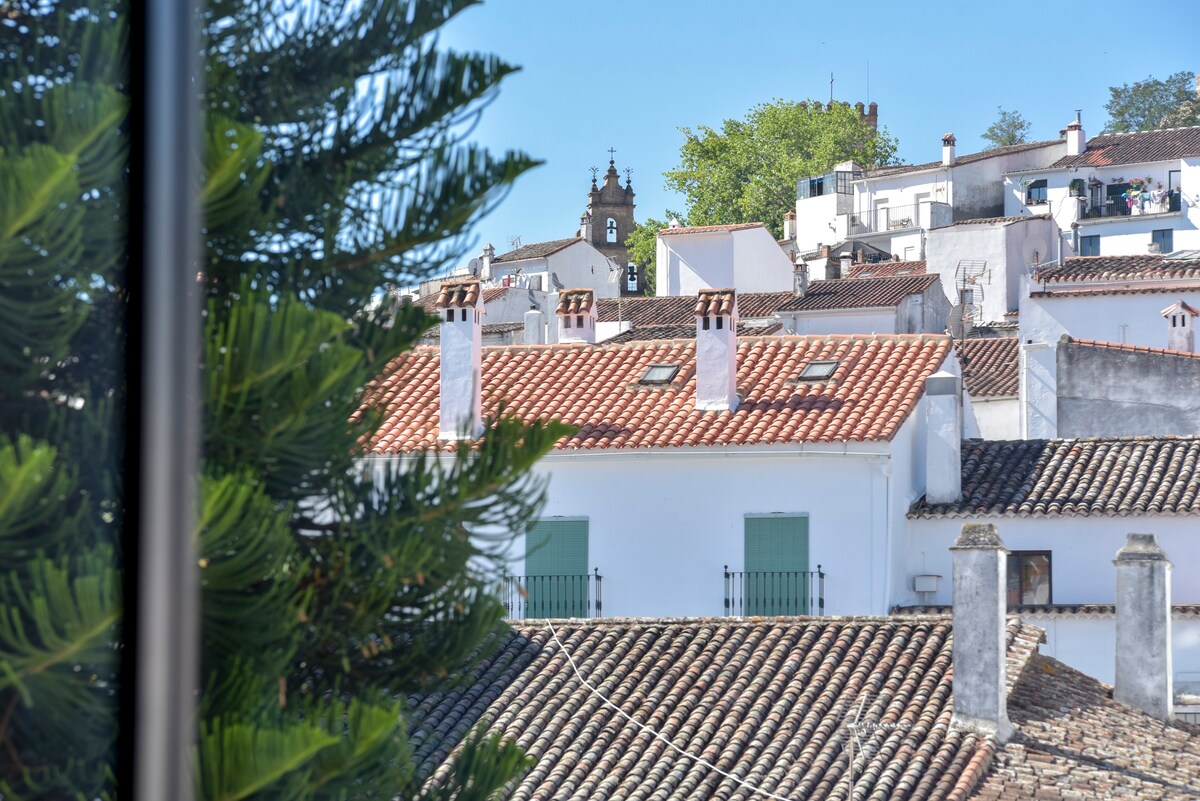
948, 142
460, 309
1076, 139
980, 641
716, 350
576, 314
1143, 651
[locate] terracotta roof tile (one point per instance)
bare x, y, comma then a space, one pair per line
537, 250
681, 310
458, 294
1118, 268
715, 302
710, 229
860, 293
1004, 220
1131, 288
766, 700
1094, 476
575, 301
1136, 148
595, 388
1055, 610
964, 159
882, 269
989, 365
430, 301
659, 332
1120, 346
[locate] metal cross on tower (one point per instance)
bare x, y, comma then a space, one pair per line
612, 151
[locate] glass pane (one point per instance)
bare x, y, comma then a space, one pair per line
1035, 579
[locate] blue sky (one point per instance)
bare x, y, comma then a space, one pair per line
629, 74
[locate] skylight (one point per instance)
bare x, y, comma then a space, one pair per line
817, 370
657, 374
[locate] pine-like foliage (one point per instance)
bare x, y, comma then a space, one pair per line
334, 166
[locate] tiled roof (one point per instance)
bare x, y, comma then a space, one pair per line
1051, 610
1118, 268
681, 310
458, 294
488, 329
1089, 477
537, 250
877, 383
989, 365
430, 302
659, 332
575, 301
1120, 346
884, 269
710, 229
1115, 289
860, 293
1135, 148
764, 700
1003, 220
715, 302
964, 159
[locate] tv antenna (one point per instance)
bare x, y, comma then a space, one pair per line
514, 242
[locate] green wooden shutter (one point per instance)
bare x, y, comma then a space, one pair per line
777, 581
556, 569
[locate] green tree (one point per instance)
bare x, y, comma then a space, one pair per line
643, 245
1150, 104
747, 171
1010, 128
328, 592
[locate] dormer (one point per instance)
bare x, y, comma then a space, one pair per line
460, 309
1181, 326
576, 315
716, 350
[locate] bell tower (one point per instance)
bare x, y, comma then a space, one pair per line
610, 217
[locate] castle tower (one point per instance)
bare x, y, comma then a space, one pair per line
610, 211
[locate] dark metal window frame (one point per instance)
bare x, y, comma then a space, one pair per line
819, 370
1016, 558
647, 380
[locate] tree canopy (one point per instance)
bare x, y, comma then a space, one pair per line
747, 171
643, 245
1151, 103
1010, 128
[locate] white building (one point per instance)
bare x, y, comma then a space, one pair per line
990, 376
745, 256
902, 304
893, 207
1117, 194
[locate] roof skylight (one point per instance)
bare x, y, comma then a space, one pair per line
818, 370
658, 374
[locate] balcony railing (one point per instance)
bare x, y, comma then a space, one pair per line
927, 214
1119, 207
775, 592
553, 596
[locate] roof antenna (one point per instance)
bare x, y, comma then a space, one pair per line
831, 88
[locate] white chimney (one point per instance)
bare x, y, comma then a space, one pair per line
585, 226
948, 150
674, 223
800, 278
535, 327
1143, 670
943, 450
1076, 141
460, 307
485, 262
844, 267
1181, 326
576, 315
789, 226
716, 350
980, 670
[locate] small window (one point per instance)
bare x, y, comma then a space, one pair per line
1035, 193
966, 296
464, 315
1163, 239
566, 321
579, 321
1029, 578
704, 324
611, 230
817, 370
1089, 245
720, 321
449, 315
657, 374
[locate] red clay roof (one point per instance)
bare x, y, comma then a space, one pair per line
1138, 147
456, 294
989, 365
710, 229
687, 331
715, 302
874, 389
681, 310
885, 269
1119, 268
1005, 150
430, 301
575, 301
537, 250
860, 293
1093, 343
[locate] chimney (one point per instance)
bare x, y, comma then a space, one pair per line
1181, 330
576, 315
800, 278
716, 350
1143, 674
824, 250
674, 223
948, 150
943, 427
789, 226
460, 308
585, 226
845, 261
980, 670
485, 262
1076, 142
535, 327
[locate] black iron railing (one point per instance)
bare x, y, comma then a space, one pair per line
553, 596
775, 592
1115, 206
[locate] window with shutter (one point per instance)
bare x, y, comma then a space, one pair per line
556, 572
777, 580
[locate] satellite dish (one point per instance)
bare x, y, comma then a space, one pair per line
473, 267
1035, 250
956, 324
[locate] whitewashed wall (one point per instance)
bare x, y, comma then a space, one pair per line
999, 418
578, 266
750, 260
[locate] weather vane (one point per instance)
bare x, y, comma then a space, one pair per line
595, 172
628, 174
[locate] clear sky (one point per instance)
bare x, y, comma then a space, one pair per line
628, 75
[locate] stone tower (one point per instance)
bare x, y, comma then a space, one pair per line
609, 221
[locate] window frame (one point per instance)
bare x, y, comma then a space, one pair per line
814, 365
1090, 242
1159, 236
1015, 558
1036, 193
